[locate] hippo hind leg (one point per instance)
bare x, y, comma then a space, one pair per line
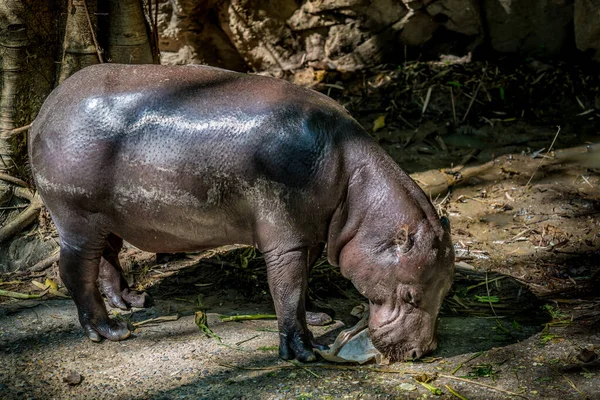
111, 281
80, 254
316, 316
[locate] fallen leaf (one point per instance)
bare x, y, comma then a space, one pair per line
39, 285
51, 284
408, 387
379, 123
57, 293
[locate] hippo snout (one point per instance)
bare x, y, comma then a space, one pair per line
403, 351
401, 333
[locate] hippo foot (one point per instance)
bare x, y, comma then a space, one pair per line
109, 329
128, 298
293, 346
315, 318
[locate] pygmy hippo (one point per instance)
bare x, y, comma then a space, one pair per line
183, 158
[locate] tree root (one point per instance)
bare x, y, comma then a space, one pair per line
12, 179
46, 262
25, 218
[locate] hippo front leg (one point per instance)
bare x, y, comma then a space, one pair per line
288, 278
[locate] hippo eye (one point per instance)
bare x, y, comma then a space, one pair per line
409, 298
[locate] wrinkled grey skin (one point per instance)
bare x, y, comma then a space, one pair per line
176, 159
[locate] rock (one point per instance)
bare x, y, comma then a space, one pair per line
533, 27
418, 30
460, 16
348, 35
587, 27
73, 378
190, 33
24, 252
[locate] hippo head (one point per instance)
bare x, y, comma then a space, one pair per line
405, 278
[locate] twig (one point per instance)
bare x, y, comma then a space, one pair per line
459, 366
9, 134
472, 100
570, 382
46, 262
304, 368
427, 98
453, 107
246, 340
12, 179
518, 235
456, 378
543, 158
13, 207
487, 288
165, 318
486, 282
11, 283
87, 14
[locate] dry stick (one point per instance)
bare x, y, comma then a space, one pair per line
12, 132
12, 179
87, 14
427, 98
456, 378
570, 382
543, 158
472, 100
453, 107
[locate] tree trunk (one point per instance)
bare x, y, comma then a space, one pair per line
27, 74
13, 44
127, 34
79, 45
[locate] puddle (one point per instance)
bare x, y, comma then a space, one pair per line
487, 311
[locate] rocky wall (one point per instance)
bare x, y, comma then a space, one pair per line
348, 35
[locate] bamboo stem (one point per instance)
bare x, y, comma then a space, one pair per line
248, 317
17, 295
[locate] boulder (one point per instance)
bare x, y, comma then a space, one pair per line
587, 27
529, 27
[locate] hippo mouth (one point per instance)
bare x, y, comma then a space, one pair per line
394, 337
402, 353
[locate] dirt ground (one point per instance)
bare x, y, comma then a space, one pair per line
545, 235
514, 210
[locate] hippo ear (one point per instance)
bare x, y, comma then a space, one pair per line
404, 240
445, 223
